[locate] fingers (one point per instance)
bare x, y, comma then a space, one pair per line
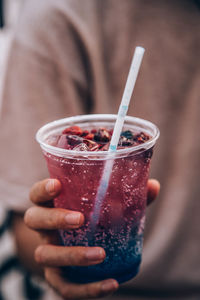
79, 291
57, 256
44, 190
153, 190
47, 189
43, 218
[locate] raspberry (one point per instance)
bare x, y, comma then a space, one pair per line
93, 131
84, 133
74, 130
89, 136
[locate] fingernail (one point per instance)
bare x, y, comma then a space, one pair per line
73, 218
95, 254
109, 286
50, 186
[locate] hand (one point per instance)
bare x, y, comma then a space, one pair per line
51, 256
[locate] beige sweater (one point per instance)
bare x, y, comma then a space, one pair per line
71, 57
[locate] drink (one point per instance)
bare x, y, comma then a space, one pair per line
120, 226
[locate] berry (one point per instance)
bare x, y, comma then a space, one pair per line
74, 140
74, 130
102, 135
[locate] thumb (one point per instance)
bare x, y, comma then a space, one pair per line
153, 188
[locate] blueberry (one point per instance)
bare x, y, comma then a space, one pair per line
127, 134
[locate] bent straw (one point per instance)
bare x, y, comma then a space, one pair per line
130, 84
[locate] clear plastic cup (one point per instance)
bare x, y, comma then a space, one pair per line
122, 217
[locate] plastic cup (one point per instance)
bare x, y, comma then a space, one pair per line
122, 216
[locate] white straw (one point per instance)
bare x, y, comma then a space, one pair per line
130, 84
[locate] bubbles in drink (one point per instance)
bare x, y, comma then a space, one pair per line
121, 222
120, 228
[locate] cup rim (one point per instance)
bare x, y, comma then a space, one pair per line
101, 154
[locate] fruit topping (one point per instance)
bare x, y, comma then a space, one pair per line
141, 138
102, 135
74, 130
74, 140
96, 139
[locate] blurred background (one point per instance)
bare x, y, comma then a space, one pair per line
170, 99
9, 14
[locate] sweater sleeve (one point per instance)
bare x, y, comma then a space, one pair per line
46, 79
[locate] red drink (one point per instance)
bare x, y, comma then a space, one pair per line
122, 214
